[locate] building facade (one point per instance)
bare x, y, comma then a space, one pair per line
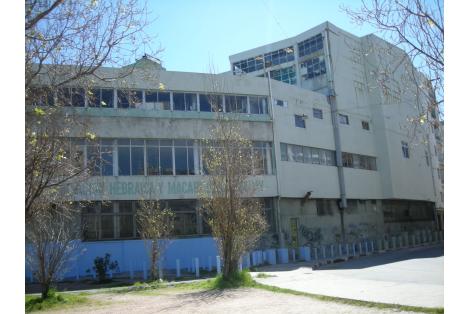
336, 157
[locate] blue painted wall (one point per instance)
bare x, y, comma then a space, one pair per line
132, 254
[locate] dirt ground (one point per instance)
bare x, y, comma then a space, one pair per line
244, 301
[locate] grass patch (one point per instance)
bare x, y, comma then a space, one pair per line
264, 275
351, 301
235, 280
54, 300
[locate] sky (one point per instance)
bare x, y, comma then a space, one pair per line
197, 33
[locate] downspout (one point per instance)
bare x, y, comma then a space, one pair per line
276, 153
334, 119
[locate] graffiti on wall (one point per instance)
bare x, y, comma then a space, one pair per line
312, 236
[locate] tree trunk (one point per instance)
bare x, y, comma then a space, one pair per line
45, 290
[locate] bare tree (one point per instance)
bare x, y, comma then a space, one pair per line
155, 227
417, 27
66, 45
227, 193
51, 238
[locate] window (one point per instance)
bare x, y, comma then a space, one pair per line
208, 102
71, 97
284, 152
238, 104
158, 100
310, 45
286, 75
101, 98
184, 102
359, 161
184, 157
405, 150
185, 216
248, 65
317, 113
281, 103
279, 56
365, 125
258, 105
130, 157
129, 98
343, 119
304, 154
100, 157
166, 157
299, 121
313, 68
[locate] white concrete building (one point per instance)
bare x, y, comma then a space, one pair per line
336, 153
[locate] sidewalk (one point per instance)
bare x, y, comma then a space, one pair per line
407, 277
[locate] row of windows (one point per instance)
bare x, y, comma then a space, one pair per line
309, 155
157, 100
299, 120
131, 157
110, 220
286, 75
359, 161
271, 58
310, 45
313, 68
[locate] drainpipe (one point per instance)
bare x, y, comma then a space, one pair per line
276, 153
334, 119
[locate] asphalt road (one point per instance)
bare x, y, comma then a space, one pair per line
408, 277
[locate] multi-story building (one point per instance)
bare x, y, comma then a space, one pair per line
337, 158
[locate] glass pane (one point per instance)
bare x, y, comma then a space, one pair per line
255, 107
106, 160
124, 161
107, 207
181, 161
307, 155
191, 102
125, 207
191, 161
178, 101
137, 161
78, 97
93, 97
93, 159
283, 151
107, 226
126, 226
123, 99
204, 104
164, 98
151, 96
166, 160
107, 96
152, 161
90, 225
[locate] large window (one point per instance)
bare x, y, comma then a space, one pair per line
238, 104
129, 98
158, 100
248, 65
71, 97
103, 98
185, 222
184, 101
317, 113
286, 75
130, 157
359, 161
108, 220
343, 119
100, 157
184, 157
305, 154
310, 45
258, 105
279, 56
314, 67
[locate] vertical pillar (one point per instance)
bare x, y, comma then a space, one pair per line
160, 269
366, 247
217, 260
209, 263
293, 255
372, 245
196, 262
144, 271
332, 251
360, 248
316, 254
347, 250
354, 249
178, 270
324, 252
240, 264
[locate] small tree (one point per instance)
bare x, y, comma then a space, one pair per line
227, 194
155, 227
52, 241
